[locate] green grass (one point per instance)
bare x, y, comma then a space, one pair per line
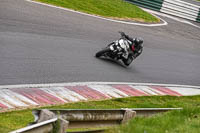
184, 121
14, 120
118, 9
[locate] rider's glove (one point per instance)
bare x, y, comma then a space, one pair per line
122, 33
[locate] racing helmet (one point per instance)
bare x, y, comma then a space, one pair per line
138, 41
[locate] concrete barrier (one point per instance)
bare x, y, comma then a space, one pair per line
83, 118
100, 118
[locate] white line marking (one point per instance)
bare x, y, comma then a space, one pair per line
186, 91
91, 83
117, 21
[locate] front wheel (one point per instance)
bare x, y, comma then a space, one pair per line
102, 52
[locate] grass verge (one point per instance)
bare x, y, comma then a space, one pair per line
117, 9
184, 121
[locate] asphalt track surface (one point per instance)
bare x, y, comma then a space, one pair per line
40, 44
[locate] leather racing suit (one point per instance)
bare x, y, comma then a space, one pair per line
133, 50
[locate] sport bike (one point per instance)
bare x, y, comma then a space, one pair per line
117, 50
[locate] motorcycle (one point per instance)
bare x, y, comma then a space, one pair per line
116, 51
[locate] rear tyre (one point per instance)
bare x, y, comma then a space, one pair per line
102, 52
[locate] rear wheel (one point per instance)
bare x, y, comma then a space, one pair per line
102, 52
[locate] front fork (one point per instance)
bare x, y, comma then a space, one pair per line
116, 53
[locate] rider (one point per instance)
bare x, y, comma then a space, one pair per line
135, 48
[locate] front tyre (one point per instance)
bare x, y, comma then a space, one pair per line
102, 52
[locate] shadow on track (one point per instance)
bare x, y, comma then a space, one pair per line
111, 61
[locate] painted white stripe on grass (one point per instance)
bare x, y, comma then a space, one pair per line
186, 91
178, 14
108, 91
171, 17
180, 3
117, 21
